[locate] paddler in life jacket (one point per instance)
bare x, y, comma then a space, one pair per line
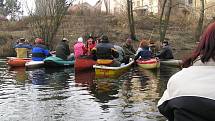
106, 53
39, 50
22, 48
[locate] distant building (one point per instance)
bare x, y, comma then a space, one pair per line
111, 6
142, 7
81, 8
209, 4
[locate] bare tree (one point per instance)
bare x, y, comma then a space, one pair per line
198, 31
131, 19
45, 22
164, 18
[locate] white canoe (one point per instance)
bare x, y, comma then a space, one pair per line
171, 62
34, 64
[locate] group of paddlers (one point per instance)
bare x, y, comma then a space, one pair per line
190, 92
109, 54
100, 49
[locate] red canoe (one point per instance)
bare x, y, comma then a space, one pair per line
84, 63
17, 62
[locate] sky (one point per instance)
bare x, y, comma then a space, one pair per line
28, 5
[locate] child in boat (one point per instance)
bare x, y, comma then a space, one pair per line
143, 51
79, 48
22, 48
39, 50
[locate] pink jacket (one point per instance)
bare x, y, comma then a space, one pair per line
78, 49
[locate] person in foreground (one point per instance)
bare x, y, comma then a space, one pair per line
166, 51
39, 50
190, 93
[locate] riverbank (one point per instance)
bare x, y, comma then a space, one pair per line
72, 27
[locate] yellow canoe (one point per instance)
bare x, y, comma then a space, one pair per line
149, 64
102, 71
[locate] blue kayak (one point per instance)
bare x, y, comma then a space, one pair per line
54, 61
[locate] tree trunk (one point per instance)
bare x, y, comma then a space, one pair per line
200, 22
132, 22
165, 23
131, 19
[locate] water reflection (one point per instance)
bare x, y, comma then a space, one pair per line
139, 96
105, 90
19, 74
84, 78
38, 77
61, 94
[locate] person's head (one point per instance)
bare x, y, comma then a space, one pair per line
165, 43
21, 40
65, 40
39, 41
90, 41
144, 43
80, 39
104, 39
206, 47
128, 41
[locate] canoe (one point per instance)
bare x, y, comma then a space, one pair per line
54, 61
34, 64
84, 63
149, 64
102, 71
17, 62
171, 62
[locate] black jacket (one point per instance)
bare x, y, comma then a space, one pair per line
62, 50
165, 53
106, 51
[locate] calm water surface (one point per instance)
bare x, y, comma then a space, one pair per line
63, 95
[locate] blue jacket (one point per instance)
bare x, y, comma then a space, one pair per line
22, 45
39, 52
144, 53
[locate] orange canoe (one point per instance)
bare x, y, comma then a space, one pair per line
17, 62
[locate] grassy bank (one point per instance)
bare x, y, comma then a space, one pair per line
6, 45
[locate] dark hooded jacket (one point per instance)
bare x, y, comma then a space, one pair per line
62, 50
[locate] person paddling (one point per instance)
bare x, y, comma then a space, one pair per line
22, 48
105, 53
39, 50
166, 51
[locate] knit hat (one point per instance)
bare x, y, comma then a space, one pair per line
80, 39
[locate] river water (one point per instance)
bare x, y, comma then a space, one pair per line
63, 95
